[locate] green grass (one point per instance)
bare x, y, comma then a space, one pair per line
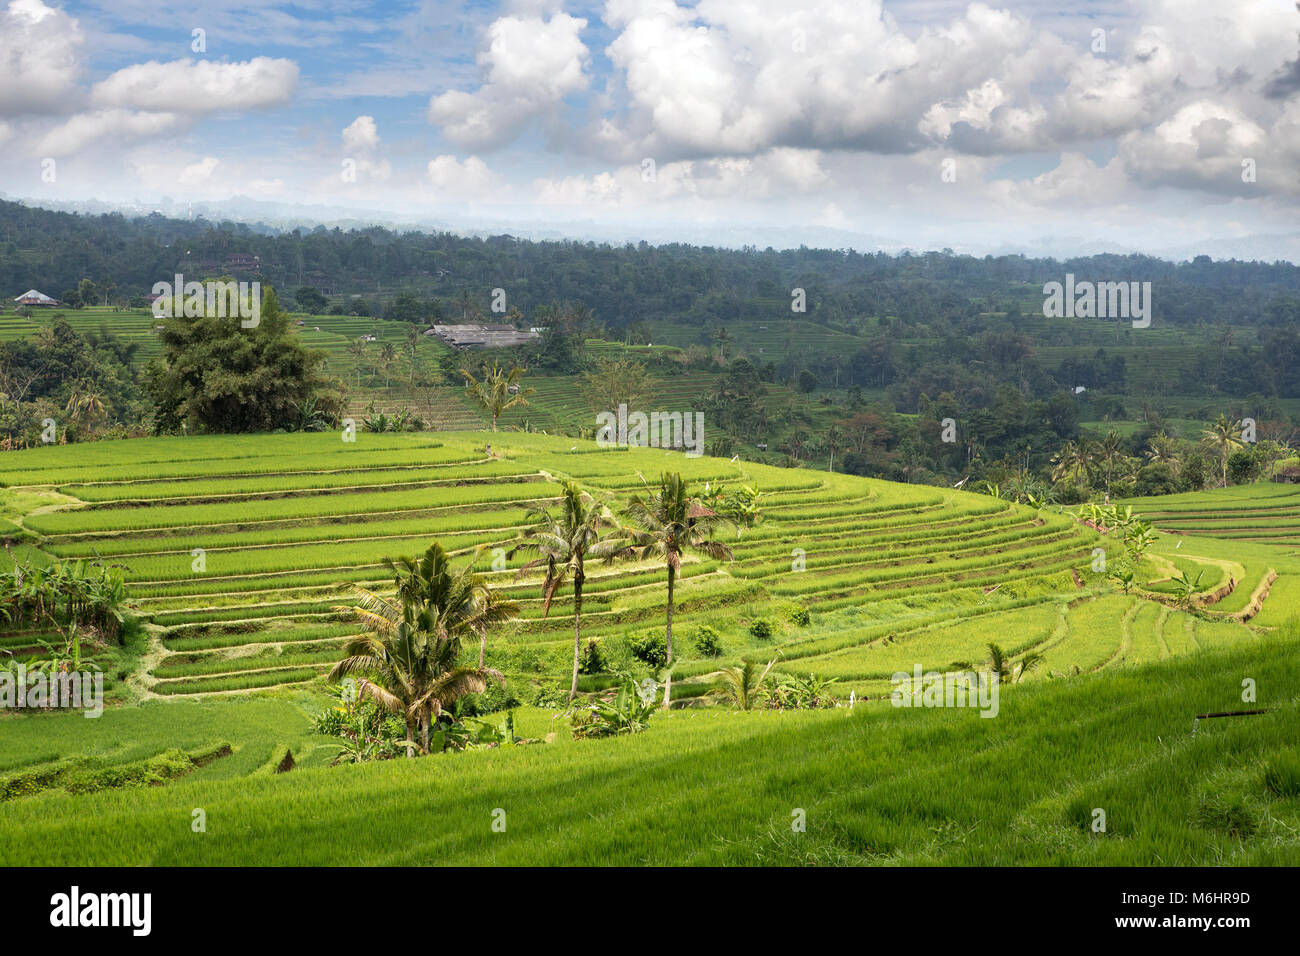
879, 785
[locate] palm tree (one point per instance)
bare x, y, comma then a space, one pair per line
498, 391
671, 521
1110, 450
387, 354
562, 544
1163, 450
835, 440
723, 340
744, 685
999, 662
1072, 462
85, 400
413, 335
1223, 438
465, 302
407, 660
357, 350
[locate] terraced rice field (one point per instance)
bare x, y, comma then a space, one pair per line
239, 551
1263, 513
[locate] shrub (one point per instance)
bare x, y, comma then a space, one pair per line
761, 628
591, 660
650, 649
551, 696
489, 701
798, 615
707, 641
628, 713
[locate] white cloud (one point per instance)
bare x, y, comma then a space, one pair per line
776, 174
199, 86
530, 65
361, 141
361, 135
1201, 146
39, 58
198, 173
79, 131
455, 180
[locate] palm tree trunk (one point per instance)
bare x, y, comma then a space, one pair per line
577, 634
668, 676
410, 738
424, 733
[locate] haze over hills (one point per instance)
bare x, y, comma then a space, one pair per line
273, 217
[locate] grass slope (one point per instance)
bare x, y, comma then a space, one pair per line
879, 785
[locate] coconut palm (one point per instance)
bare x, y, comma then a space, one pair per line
743, 685
407, 661
387, 355
1110, 452
999, 662
498, 390
1028, 663
413, 336
85, 400
722, 338
1073, 462
1162, 449
562, 543
669, 522
357, 349
1223, 438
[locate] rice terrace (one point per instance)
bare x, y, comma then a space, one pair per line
855, 442
241, 555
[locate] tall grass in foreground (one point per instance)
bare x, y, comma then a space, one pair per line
879, 786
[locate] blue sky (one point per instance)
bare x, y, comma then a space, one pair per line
929, 123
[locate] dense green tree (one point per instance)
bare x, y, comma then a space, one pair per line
216, 376
310, 299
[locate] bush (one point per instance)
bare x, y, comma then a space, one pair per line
1156, 479
761, 628
591, 659
1243, 467
798, 615
552, 696
707, 641
650, 649
493, 699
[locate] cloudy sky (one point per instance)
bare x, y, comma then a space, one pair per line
931, 122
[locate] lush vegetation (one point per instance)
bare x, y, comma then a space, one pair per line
877, 785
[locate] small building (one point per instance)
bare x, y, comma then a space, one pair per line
1288, 476
35, 297
238, 262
